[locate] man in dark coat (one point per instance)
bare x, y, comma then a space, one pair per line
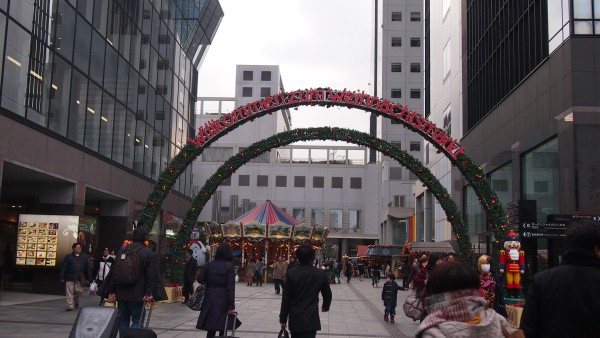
189, 274
300, 301
564, 301
131, 297
74, 272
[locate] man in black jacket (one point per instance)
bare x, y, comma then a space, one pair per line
564, 301
131, 297
189, 274
300, 299
74, 272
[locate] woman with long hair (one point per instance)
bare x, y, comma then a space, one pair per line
219, 300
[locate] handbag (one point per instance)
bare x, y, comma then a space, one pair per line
93, 288
413, 307
283, 334
196, 300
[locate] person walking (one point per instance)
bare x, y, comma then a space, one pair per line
249, 272
361, 271
189, 274
75, 272
456, 309
348, 272
102, 269
389, 295
219, 300
131, 297
258, 272
405, 270
279, 271
564, 301
300, 301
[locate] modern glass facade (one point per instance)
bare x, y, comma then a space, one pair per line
118, 77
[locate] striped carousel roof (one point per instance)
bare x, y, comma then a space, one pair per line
266, 213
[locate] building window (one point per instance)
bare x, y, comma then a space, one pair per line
396, 16
446, 59
355, 182
396, 67
316, 217
217, 154
335, 218
540, 174
281, 181
337, 182
412, 176
427, 153
318, 182
265, 75
415, 146
244, 180
354, 219
448, 121
415, 42
415, 16
226, 182
299, 181
298, 215
397, 144
262, 180
265, 91
399, 201
396, 42
415, 67
248, 75
415, 93
396, 93
395, 173
247, 92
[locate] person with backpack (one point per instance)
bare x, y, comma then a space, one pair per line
133, 280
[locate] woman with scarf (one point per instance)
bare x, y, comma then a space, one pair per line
456, 308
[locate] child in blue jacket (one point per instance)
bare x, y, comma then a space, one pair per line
389, 295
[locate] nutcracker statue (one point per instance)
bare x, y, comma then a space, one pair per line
513, 261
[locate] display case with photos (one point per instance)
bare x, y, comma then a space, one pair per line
37, 243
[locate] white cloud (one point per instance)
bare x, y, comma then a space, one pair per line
316, 43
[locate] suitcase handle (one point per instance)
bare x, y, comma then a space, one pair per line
234, 322
149, 313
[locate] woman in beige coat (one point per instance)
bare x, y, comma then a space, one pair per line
250, 267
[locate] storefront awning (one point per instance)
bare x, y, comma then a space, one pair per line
383, 251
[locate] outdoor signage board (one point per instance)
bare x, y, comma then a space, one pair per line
543, 230
44, 240
518, 212
558, 218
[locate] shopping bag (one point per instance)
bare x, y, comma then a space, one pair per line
197, 298
413, 307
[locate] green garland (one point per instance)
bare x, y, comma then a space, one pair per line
495, 214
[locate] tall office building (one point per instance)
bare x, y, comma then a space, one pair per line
521, 88
399, 78
96, 98
316, 184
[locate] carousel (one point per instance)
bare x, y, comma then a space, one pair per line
265, 232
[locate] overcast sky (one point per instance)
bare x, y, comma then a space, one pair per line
316, 43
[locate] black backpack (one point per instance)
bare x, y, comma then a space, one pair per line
127, 269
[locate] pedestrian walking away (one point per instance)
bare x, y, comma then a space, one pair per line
134, 280
258, 272
565, 300
75, 272
249, 272
219, 300
102, 269
389, 295
300, 301
455, 308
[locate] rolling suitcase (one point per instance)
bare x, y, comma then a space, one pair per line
225, 333
144, 332
95, 322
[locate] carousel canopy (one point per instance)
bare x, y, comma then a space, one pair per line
266, 213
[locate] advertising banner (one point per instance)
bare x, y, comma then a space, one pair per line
44, 240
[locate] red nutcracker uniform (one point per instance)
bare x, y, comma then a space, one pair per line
512, 260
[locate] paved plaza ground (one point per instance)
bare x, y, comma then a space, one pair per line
356, 311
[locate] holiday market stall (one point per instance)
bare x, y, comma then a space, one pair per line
266, 232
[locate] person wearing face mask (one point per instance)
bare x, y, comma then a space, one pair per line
487, 283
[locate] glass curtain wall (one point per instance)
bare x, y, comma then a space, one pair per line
540, 178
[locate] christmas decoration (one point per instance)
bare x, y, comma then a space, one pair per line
326, 97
